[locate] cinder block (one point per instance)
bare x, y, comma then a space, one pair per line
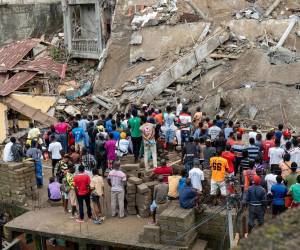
142, 188
135, 180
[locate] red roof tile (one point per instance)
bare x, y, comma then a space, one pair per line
15, 82
12, 54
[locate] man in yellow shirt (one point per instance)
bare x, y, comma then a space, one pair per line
218, 166
173, 181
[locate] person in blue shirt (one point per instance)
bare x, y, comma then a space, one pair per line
188, 195
109, 123
279, 191
278, 132
115, 133
79, 136
181, 183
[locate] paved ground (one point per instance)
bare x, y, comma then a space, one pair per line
53, 222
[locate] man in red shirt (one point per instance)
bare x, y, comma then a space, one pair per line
229, 156
266, 145
82, 187
164, 170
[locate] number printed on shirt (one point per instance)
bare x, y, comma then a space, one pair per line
217, 166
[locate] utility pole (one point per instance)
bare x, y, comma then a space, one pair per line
230, 224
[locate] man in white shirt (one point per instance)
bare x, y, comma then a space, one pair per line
54, 150
185, 121
179, 107
276, 153
197, 176
253, 133
270, 180
7, 154
214, 131
295, 153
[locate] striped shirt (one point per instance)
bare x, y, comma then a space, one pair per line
238, 150
253, 151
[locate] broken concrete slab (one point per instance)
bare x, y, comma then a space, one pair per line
160, 40
71, 110
136, 38
184, 65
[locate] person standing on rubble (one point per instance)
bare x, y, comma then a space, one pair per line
79, 136
197, 118
134, 124
178, 107
214, 131
185, 122
169, 119
148, 133
33, 134
190, 152
61, 129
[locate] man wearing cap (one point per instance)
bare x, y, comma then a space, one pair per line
122, 145
256, 200
286, 136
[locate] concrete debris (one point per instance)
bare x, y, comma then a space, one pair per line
184, 65
71, 110
136, 38
249, 13
271, 8
293, 20
85, 89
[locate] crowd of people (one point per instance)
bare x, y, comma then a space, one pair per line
85, 151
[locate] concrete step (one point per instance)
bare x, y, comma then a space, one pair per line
199, 245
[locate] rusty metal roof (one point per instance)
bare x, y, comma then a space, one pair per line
12, 54
15, 82
44, 64
28, 111
2, 78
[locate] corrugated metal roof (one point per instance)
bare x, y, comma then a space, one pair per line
2, 78
28, 111
12, 54
15, 82
44, 64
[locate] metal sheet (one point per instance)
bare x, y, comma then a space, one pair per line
15, 82
34, 114
44, 64
3, 77
12, 54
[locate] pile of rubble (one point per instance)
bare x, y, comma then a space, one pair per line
207, 59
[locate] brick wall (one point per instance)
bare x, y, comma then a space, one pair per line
17, 182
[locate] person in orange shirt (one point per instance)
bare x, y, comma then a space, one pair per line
159, 117
219, 167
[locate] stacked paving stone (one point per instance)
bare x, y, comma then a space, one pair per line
143, 200
174, 222
130, 198
17, 182
131, 169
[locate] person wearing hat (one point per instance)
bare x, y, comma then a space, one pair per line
122, 145
286, 136
255, 199
160, 195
